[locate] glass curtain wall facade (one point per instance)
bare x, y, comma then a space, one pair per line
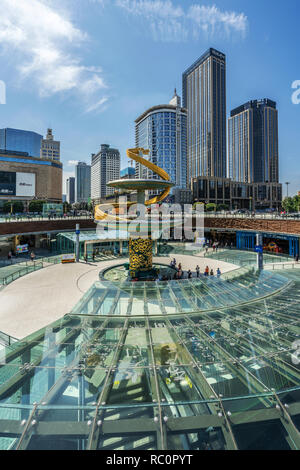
204, 97
21, 141
82, 182
253, 142
162, 130
71, 190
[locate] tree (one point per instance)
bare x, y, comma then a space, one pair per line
291, 204
211, 206
222, 207
13, 207
36, 206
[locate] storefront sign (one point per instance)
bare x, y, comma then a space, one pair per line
68, 258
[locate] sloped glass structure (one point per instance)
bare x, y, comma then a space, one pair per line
192, 364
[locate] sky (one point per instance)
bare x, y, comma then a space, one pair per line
89, 68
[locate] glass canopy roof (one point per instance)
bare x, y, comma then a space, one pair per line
192, 364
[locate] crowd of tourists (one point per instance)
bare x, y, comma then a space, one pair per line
181, 274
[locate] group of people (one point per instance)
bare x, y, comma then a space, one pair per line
179, 273
210, 272
216, 244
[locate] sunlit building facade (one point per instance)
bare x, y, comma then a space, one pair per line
204, 97
162, 130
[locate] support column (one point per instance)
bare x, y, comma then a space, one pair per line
259, 250
77, 243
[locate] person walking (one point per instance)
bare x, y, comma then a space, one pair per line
218, 272
32, 256
197, 270
206, 272
189, 274
212, 272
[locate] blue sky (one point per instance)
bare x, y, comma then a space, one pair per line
89, 68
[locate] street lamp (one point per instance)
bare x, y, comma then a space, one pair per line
287, 189
287, 194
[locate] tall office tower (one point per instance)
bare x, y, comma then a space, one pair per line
18, 140
204, 97
82, 182
105, 168
127, 173
70, 186
162, 130
253, 142
50, 148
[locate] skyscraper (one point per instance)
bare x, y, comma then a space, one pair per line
82, 182
162, 130
253, 142
18, 140
105, 168
70, 190
204, 97
50, 148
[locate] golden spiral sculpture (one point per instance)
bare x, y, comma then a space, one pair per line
135, 154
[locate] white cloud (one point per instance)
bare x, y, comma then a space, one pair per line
43, 39
73, 162
211, 20
166, 21
169, 22
98, 105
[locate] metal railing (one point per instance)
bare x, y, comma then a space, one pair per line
37, 218
277, 266
271, 216
34, 266
6, 340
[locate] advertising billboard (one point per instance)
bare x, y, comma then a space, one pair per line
22, 248
25, 184
17, 184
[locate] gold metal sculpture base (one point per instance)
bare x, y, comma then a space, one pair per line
140, 255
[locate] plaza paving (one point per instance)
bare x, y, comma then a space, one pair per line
39, 298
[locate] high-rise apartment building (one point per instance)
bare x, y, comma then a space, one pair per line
105, 167
82, 182
162, 130
253, 142
70, 187
204, 97
50, 148
17, 140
